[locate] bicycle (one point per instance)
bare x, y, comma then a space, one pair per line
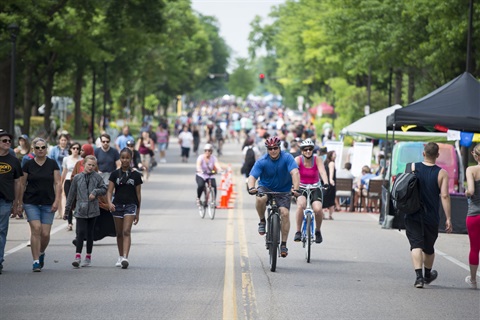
209, 196
308, 224
274, 223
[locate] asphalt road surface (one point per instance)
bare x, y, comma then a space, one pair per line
185, 267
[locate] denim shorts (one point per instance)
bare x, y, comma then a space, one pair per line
39, 212
122, 210
162, 146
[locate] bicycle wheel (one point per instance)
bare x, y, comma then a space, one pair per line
274, 241
308, 240
211, 204
202, 207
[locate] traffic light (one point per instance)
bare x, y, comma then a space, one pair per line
261, 76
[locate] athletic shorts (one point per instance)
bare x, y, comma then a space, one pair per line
421, 236
317, 195
283, 200
122, 210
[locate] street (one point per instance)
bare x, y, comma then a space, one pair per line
185, 267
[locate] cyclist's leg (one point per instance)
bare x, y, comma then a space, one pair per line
200, 185
301, 205
285, 214
261, 206
213, 182
317, 208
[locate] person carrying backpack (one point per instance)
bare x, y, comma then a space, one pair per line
422, 226
251, 154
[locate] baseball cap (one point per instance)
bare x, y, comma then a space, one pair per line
5, 133
24, 137
130, 143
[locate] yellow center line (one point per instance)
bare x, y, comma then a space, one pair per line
229, 293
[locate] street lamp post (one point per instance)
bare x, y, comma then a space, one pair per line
13, 37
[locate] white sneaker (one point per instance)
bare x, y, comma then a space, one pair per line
87, 262
119, 262
472, 284
124, 263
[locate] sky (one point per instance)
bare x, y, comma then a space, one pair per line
234, 17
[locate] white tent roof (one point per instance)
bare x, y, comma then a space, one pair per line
373, 126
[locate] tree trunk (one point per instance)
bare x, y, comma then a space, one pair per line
47, 94
411, 85
398, 87
27, 99
78, 98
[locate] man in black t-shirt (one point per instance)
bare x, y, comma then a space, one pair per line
10, 173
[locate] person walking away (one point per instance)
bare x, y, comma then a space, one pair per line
162, 142
329, 196
196, 139
144, 146
10, 189
107, 157
251, 154
185, 139
310, 168
277, 171
68, 165
206, 163
85, 189
473, 216
58, 153
124, 199
41, 193
422, 227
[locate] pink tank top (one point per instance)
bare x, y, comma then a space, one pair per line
309, 175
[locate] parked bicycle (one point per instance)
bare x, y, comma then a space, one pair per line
308, 224
207, 200
274, 226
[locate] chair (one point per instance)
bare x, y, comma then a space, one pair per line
374, 192
344, 189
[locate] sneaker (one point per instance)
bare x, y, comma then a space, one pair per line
283, 251
36, 267
298, 236
86, 262
433, 276
198, 202
124, 263
76, 262
1, 268
473, 285
318, 237
418, 283
261, 228
119, 262
42, 260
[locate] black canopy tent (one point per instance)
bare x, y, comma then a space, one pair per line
455, 105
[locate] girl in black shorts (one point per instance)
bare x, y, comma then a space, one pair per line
125, 206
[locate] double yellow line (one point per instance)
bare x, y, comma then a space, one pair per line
230, 310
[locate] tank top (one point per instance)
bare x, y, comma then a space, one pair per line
474, 201
206, 166
308, 175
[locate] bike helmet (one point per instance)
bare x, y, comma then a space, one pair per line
307, 143
272, 142
208, 146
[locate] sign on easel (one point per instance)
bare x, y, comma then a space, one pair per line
362, 156
336, 146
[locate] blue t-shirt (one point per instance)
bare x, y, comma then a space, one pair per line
275, 174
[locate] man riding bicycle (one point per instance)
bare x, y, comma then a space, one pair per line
310, 168
277, 171
206, 163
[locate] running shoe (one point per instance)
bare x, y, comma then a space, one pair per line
42, 260
124, 263
76, 262
298, 236
473, 285
433, 276
283, 251
261, 228
318, 237
418, 283
36, 267
86, 262
119, 262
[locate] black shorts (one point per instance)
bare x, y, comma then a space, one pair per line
283, 200
421, 235
317, 195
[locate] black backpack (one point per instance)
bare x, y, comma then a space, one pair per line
249, 161
405, 193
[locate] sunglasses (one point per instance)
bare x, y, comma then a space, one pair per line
208, 150
42, 147
105, 141
308, 149
75, 148
274, 148
7, 141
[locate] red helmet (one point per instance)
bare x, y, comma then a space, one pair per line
272, 142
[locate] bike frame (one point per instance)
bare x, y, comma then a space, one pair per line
308, 224
209, 202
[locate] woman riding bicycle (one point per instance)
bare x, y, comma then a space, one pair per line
206, 165
311, 168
